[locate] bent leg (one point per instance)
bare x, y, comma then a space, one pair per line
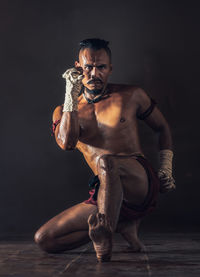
67, 230
120, 176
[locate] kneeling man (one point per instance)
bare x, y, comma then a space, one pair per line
100, 119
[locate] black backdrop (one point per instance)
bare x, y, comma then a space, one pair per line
155, 45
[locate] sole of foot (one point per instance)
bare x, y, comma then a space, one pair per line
101, 236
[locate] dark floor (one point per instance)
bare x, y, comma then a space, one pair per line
168, 254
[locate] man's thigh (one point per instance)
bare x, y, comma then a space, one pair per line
70, 220
133, 178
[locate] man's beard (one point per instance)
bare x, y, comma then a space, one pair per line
94, 91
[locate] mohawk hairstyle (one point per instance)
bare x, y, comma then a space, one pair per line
95, 44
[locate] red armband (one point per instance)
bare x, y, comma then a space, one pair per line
54, 125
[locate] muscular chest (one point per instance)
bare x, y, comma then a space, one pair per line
104, 119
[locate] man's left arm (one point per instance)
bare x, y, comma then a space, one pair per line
149, 112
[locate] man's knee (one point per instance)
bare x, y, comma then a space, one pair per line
106, 163
45, 241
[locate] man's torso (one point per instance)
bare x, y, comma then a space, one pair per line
109, 126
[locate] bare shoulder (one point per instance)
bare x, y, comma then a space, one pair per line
142, 100
135, 93
134, 96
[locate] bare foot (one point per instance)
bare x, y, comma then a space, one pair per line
101, 236
135, 245
129, 231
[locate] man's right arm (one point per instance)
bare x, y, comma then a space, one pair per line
67, 131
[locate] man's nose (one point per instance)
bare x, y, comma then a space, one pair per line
94, 71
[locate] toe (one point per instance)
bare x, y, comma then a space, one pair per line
92, 220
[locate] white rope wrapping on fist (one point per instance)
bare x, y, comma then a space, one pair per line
166, 157
165, 172
73, 86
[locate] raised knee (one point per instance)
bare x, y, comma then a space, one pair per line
106, 163
44, 241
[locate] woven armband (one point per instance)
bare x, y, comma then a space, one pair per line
148, 111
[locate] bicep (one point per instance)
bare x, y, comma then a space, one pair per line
156, 120
159, 124
149, 112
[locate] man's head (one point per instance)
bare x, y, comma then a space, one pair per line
95, 60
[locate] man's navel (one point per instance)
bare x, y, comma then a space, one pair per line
122, 119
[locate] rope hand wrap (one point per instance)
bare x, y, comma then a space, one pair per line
167, 182
73, 79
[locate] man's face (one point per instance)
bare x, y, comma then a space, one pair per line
96, 68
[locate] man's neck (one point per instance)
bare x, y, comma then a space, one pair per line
92, 96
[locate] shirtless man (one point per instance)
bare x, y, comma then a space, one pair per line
100, 120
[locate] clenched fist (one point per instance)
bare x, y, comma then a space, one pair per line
73, 77
167, 182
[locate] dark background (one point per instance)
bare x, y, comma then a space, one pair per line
155, 45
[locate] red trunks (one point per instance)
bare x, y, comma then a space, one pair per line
130, 211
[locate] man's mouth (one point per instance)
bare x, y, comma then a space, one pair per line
91, 82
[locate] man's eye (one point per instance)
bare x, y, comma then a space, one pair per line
101, 66
88, 67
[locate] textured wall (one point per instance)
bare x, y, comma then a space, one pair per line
155, 45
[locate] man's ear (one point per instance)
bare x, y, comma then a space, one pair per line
77, 64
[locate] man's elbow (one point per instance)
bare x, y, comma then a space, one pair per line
165, 128
162, 128
66, 145
165, 132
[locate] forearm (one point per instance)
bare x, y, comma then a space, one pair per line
165, 138
159, 124
167, 182
67, 133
